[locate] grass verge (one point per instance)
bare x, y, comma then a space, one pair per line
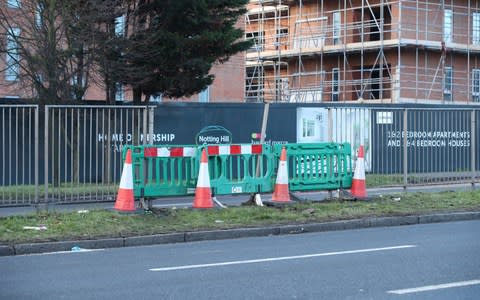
104, 223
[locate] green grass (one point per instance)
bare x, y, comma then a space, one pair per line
374, 180
103, 223
65, 189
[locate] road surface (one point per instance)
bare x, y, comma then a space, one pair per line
431, 261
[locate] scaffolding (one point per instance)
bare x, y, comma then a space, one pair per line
369, 50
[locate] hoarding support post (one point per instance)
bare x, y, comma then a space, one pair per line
405, 153
266, 108
151, 120
146, 139
46, 155
144, 126
37, 124
263, 132
473, 152
330, 140
151, 116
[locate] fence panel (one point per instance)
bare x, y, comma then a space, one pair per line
439, 146
412, 146
318, 166
239, 169
164, 170
385, 150
83, 147
172, 170
19, 154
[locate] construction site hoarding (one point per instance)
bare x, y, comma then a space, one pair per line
77, 156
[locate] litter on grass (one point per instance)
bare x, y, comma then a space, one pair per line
39, 227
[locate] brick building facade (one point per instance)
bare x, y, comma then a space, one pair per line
378, 51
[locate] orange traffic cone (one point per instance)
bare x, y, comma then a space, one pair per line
125, 199
203, 193
281, 192
358, 189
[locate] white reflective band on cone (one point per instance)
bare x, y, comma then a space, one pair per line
282, 176
359, 169
126, 181
204, 176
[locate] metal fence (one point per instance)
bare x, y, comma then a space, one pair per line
68, 154
19, 138
412, 146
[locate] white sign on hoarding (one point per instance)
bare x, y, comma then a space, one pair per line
348, 126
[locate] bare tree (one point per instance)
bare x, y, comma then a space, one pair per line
48, 54
50, 47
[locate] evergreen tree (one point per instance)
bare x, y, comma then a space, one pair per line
169, 46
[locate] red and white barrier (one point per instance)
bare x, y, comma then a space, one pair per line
212, 150
235, 149
169, 152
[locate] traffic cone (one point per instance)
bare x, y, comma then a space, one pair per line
281, 192
203, 193
359, 189
125, 199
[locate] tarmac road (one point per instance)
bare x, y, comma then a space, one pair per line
428, 261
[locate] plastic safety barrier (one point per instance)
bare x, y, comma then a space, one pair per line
317, 166
165, 170
243, 168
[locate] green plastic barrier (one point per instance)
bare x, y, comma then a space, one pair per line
164, 170
241, 168
317, 166
167, 170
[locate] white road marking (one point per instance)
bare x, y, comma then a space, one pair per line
252, 261
434, 287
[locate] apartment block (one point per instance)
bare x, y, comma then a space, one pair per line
363, 50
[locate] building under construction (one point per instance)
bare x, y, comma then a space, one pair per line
368, 50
